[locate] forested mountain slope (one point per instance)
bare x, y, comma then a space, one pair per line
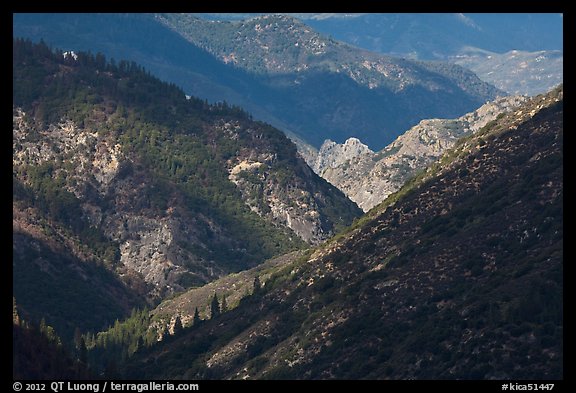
125, 190
278, 69
459, 275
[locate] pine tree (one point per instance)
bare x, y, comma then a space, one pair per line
257, 285
177, 325
139, 344
196, 319
49, 332
224, 305
90, 340
82, 351
214, 307
42, 326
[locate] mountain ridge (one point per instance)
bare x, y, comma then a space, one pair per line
435, 35
517, 72
309, 106
292, 55
429, 285
368, 177
517, 53
127, 175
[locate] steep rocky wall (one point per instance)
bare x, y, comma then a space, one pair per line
368, 178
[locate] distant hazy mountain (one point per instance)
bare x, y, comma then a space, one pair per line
433, 35
517, 72
278, 69
518, 53
324, 87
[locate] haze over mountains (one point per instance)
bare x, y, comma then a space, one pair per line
193, 207
278, 69
517, 72
518, 53
434, 36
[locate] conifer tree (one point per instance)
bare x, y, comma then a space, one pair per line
177, 325
224, 305
139, 344
196, 319
78, 337
214, 307
82, 351
257, 285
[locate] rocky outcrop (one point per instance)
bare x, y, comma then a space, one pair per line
158, 250
285, 194
334, 155
84, 154
171, 248
368, 178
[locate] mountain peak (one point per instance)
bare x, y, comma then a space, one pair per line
333, 155
355, 142
368, 178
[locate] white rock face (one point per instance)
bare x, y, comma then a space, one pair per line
291, 206
86, 153
367, 178
149, 246
334, 155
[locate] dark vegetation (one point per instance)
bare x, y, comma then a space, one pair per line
460, 276
315, 103
61, 294
176, 148
38, 353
